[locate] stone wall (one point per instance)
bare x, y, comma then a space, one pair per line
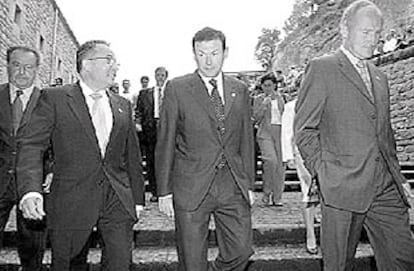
399, 67
319, 33
41, 25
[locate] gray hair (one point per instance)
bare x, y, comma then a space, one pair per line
350, 12
84, 49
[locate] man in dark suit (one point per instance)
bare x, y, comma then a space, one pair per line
18, 97
205, 161
147, 115
344, 134
97, 175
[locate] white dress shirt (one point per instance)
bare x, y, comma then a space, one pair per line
87, 91
156, 90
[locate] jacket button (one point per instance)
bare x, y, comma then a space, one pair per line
14, 153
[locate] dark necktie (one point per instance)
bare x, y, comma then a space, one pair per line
17, 110
216, 101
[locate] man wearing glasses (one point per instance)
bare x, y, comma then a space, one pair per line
98, 180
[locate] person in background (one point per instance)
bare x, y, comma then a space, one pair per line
205, 160
131, 96
144, 82
147, 116
292, 158
268, 108
343, 131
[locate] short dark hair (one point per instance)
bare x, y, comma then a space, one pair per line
208, 34
270, 77
84, 49
144, 77
161, 68
24, 49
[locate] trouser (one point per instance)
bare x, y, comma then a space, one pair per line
232, 218
31, 234
386, 222
115, 226
273, 168
149, 150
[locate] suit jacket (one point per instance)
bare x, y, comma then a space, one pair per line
263, 115
189, 143
62, 116
342, 133
144, 115
8, 146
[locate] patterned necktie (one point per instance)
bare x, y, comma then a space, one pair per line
216, 101
99, 121
363, 71
17, 109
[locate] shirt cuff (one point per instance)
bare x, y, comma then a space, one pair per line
169, 196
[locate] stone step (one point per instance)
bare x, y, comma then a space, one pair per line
282, 257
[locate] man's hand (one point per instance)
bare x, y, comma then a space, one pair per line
165, 204
252, 197
32, 208
138, 210
407, 190
47, 183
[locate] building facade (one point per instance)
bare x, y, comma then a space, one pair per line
41, 25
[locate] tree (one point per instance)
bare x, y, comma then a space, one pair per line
302, 9
266, 46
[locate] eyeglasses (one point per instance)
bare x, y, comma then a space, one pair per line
110, 60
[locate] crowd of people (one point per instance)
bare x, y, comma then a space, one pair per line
71, 155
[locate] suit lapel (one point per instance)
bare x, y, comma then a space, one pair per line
229, 95
348, 70
117, 113
34, 97
5, 109
377, 87
78, 105
200, 94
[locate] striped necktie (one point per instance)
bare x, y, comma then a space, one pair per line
363, 72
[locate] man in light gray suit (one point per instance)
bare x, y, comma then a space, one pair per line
343, 132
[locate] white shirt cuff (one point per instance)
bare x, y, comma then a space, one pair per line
169, 196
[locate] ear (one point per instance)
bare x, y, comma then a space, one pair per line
344, 32
226, 52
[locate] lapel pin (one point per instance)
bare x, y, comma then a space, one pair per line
233, 94
120, 110
377, 77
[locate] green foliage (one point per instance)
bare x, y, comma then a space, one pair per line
266, 46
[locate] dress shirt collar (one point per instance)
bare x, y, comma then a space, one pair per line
87, 91
219, 80
352, 58
26, 92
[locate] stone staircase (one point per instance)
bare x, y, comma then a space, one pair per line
279, 241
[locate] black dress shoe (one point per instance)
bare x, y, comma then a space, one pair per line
154, 199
